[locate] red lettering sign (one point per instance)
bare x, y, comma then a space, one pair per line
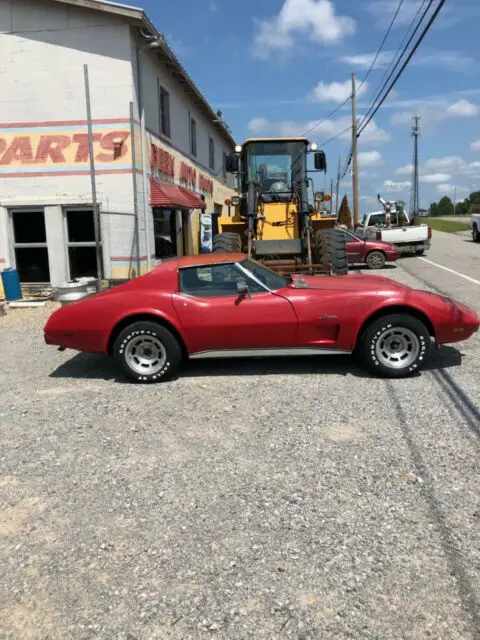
188, 174
205, 184
60, 149
162, 161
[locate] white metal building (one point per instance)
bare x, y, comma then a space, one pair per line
159, 147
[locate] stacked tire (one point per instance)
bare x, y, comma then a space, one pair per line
227, 243
332, 243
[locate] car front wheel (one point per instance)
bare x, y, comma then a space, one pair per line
395, 346
475, 233
375, 260
147, 352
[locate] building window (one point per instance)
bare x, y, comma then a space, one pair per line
30, 246
82, 256
211, 153
193, 137
164, 101
224, 166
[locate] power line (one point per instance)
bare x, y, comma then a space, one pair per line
403, 67
382, 44
396, 57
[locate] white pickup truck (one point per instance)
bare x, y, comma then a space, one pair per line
476, 227
394, 226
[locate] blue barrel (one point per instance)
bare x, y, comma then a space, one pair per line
11, 285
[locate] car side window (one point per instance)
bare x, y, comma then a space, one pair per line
214, 281
379, 219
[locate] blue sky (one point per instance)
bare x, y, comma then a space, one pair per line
277, 67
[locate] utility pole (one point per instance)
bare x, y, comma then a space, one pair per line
338, 185
415, 190
354, 154
331, 196
455, 201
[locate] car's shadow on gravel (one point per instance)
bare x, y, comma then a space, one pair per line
97, 367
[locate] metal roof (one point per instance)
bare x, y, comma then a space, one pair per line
138, 17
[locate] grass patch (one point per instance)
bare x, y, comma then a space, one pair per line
448, 226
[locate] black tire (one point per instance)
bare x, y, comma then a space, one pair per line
375, 260
376, 346
227, 243
336, 248
475, 233
147, 335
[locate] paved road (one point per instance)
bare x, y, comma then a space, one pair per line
450, 253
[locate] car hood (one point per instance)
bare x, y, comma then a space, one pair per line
346, 283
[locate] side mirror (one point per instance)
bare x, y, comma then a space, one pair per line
232, 163
242, 287
320, 161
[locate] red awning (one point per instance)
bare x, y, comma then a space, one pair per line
196, 202
167, 195
164, 194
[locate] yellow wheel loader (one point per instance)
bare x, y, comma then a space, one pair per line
273, 221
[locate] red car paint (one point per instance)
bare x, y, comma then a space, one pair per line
311, 311
358, 249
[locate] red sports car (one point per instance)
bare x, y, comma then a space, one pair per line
225, 305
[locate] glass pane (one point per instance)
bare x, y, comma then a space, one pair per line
29, 227
216, 281
83, 262
32, 264
80, 225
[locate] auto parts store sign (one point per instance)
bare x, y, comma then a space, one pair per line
62, 148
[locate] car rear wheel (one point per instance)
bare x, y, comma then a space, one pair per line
395, 346
375, 260
147, 352
335, 248
227, 243
475, 234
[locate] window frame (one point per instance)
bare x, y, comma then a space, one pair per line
193, 137
69, 244
14, 245
211, 153
248, 276
164, 113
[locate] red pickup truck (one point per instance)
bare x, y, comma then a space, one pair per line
373, 253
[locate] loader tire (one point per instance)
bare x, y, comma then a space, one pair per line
336, 247
227, 243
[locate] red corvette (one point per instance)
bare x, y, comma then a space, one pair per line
225, 305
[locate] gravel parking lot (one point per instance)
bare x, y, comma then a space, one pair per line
260, 499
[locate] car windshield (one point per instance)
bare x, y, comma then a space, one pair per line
268, 277
276, 165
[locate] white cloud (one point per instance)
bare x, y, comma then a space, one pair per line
365, 60
451, 60
475, 146
448, 163
315, 19
340, 127
390, 185
435, 177
435, 112
370, 158
464, 109
383, 10
404, 171
446, 188
336, 91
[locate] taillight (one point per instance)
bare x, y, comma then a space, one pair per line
379, 235
429, 232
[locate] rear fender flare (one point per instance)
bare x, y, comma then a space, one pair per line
145, 314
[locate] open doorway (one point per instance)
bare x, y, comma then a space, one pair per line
82, 251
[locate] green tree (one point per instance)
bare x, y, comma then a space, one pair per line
345, 215
433, 210
445, 206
